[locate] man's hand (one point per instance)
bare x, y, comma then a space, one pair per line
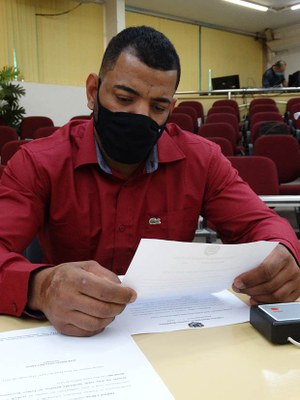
275, 280
80, 298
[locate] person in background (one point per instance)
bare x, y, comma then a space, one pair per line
94, 188
274, 76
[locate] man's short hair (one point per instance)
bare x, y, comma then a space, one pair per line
150, 46
279, 64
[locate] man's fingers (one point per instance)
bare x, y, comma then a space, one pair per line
266, 271
288, 293
105, 290
76, 323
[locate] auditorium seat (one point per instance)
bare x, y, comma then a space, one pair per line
44, 131
30, 124
9, 149
259, 172
197, 106
184, 121
284, 151
6, 135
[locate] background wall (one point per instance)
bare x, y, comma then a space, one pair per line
51, 49
58, 102
229, 54
185, 38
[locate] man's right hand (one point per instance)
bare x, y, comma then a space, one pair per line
79, 298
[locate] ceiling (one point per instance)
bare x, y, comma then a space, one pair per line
221, 13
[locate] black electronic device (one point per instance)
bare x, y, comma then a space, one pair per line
294, 79
279, 323
226, 82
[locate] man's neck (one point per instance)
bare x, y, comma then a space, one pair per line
126, 170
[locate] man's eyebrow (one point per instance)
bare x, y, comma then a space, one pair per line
134, 92
127, 89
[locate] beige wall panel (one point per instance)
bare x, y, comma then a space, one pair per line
185, 38
229, 54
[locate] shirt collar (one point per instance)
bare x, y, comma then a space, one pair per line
88, 152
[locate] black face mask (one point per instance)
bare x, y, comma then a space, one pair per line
125, 137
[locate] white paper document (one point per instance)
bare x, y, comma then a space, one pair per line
183, 312
162, 268
40, 364
181, 285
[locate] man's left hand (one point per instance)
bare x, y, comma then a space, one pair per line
275, 280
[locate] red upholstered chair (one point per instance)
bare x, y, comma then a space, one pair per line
262, 108
184, 121
266, 116
30, 124
221, 109
262, 100
291, 102
197, 106
255, 130
82, 117
189, 111
1, 169
44, 131
6, 135
9, 149
228, 103
284, 151
219, 129
230, 119
259, 172
225, 145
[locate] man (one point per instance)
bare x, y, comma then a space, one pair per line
274, 76
93, 189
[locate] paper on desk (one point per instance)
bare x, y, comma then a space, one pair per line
175, 283
168, 268
40, 364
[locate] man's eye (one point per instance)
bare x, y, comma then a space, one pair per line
159, 108
123, 99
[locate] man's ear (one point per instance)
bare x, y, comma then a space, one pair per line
92, 90
173, 102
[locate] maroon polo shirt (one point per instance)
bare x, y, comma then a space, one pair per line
55, 187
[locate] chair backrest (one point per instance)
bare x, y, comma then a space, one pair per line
184, 121
219, 129
228, 103
256, 129
226, 146
6, 135
291, 102
294, 109
262, 108
221, 109
229, 118
284, 151
81, 117
44, 131
254, 102
10, 148
189, 111
196, 105
1, 169
266, 116
259, 172
30, 124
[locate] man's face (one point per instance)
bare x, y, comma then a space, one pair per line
133, 87
281, 68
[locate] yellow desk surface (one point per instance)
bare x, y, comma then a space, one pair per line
232, 362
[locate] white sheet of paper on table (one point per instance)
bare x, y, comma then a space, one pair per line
181, 285
40, 364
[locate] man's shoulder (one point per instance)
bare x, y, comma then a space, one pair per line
61, 142
176, 144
